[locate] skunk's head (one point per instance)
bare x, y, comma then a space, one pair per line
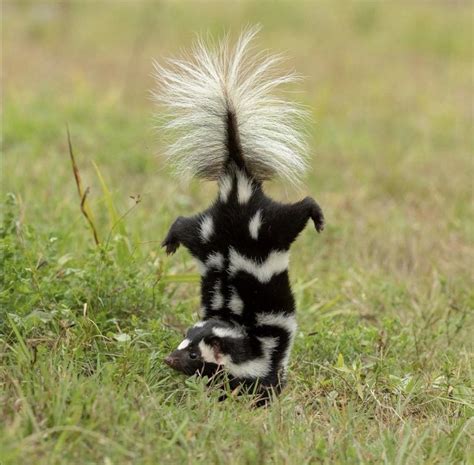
202, 351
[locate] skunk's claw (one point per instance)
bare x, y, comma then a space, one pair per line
318, 217
319, 223
170, 246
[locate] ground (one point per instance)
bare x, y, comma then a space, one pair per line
382, 366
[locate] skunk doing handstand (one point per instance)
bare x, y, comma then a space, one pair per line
229, 128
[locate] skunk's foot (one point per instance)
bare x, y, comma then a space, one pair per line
316, 215
170, 246
171, 241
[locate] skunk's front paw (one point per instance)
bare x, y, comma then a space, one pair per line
171, 241
170, 246
317, 217
319, 223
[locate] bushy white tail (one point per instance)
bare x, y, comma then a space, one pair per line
200, 91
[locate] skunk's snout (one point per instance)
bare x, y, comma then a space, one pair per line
172, 362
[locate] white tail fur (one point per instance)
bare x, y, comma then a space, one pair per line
200, 90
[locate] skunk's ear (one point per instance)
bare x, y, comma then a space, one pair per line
216, 343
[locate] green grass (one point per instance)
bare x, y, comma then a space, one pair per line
382, 366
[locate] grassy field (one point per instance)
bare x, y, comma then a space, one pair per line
382, 370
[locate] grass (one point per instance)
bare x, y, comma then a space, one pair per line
382, 366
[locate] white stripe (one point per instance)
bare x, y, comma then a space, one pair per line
206, 228
199, 324
214, 260
244, 188
184, 344
276, 262
236, 304
228, 332
257, 368
217, 300
225, 186
207, 353
254, 225
282, 320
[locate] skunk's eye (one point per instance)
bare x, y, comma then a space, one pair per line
193, 355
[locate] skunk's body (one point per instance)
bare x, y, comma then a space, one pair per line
231, 130
242, 247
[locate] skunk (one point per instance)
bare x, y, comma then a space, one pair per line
229, 128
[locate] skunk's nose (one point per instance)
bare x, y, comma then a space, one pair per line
170, 361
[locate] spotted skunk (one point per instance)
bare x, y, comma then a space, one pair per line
229, 128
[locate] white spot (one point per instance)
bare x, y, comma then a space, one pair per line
215, 260
199, 324
184, 344
225, 186
217, 300
236, 304
244, 188
207, 353
207, 228
276, 262
254, 225
257, 368
228, 332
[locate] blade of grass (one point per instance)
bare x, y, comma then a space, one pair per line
21, 341
181, 278
82, 194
